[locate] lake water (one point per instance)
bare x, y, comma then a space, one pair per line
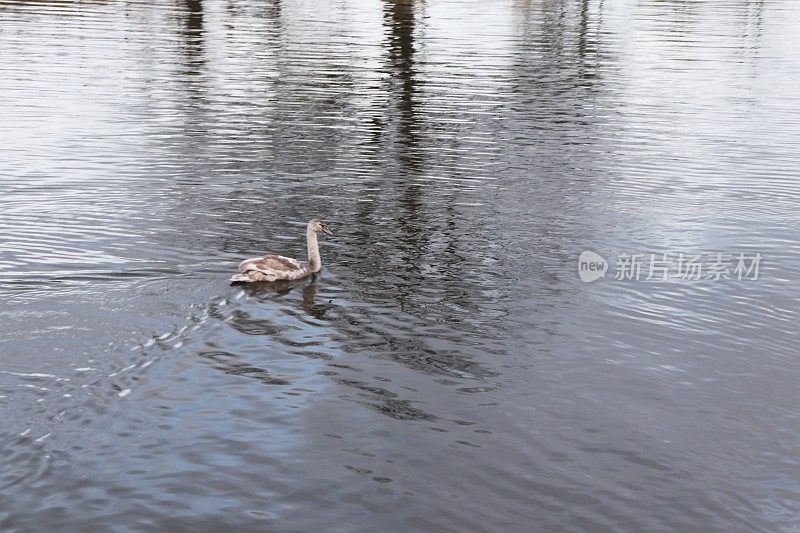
448, 370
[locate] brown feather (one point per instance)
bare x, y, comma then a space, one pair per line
270, 268
270, 263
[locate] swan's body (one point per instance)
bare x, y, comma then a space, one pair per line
277, 267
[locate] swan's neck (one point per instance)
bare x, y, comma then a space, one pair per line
314, 262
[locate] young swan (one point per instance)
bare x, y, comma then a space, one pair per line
278, 267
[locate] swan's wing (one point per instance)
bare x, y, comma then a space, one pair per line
271, 264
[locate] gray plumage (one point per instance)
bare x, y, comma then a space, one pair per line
277, 267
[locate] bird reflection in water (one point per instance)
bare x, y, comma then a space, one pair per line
308, 286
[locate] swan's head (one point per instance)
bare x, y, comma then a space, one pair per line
318, 226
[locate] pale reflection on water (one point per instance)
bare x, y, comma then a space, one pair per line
447, 370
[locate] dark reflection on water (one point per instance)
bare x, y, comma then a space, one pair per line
447, 370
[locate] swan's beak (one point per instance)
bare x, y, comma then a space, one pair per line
326, 231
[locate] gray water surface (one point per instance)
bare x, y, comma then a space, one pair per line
448, 370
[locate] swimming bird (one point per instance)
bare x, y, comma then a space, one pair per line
277, 267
